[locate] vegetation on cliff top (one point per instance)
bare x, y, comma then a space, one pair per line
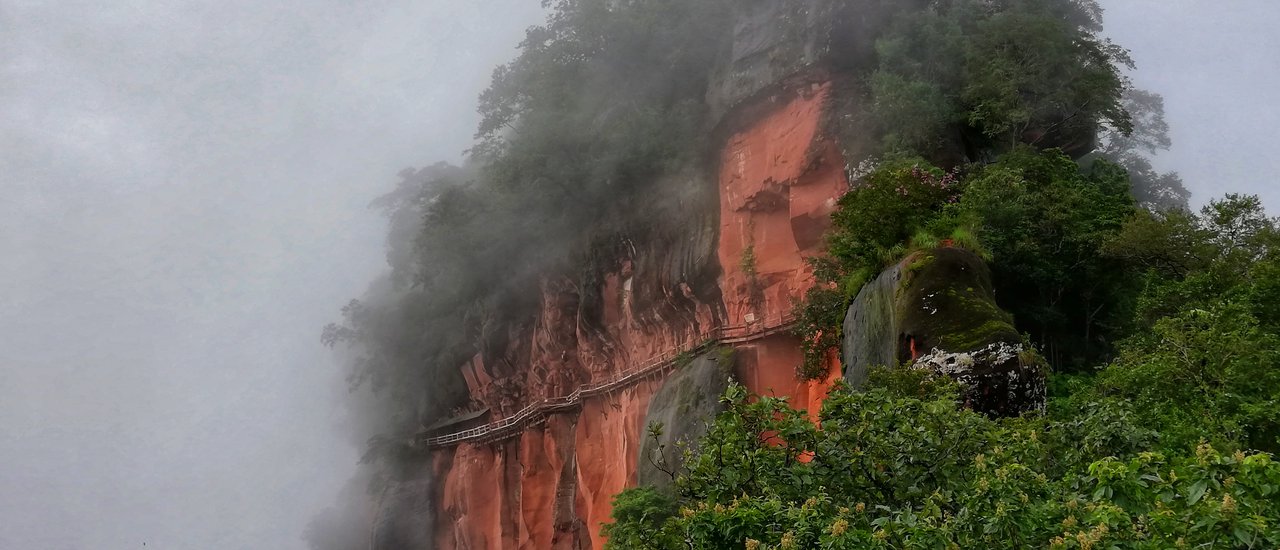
1162, 323
1144, 450
604, 100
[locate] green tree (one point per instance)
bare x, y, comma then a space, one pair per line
887, 471
1045, 223
1204, 374
997, 74
1150, 135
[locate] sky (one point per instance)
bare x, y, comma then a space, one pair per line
183, 205
1217, 64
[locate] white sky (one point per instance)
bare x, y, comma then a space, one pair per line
1217, 63
183, 191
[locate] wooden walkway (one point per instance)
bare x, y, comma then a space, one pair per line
537, 413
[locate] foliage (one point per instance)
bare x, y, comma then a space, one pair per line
887, 471
884, 211
870, 231
1202, 357
1045, 221
996, 74
634, 511
1040, 219
818, 320
1153, 190
1204, 374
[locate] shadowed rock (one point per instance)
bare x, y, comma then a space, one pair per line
403, 516
685, 407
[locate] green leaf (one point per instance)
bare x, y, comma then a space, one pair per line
1197, 491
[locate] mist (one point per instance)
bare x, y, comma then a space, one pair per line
184, 193
184, 206
1217, 64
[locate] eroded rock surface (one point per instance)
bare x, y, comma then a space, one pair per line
683, 409
1000, 379
777, 183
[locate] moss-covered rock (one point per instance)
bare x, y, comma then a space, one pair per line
871, 328
936, 310
946, 301
680, 413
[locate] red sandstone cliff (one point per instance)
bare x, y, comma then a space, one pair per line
778, 180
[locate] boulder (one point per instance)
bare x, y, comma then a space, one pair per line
936, 310
684, 408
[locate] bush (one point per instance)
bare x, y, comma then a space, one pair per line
902, 472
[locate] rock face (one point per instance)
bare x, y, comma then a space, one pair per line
1000, 379
871, 327
725, 255
401, 517
936, 310
776, 185
771, 41
685, 407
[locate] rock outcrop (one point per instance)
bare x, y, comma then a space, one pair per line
681, 412
936, 310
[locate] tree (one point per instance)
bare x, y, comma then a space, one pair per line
1045, 223
1204, 374
998, 74
1150, 135
888, 471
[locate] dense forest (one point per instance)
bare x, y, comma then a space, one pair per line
1006, 127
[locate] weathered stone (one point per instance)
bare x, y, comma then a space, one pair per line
1000, 379
936, 310
871, 328
771, 40
685, 407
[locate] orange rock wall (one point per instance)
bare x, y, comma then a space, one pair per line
552, 488
779, 183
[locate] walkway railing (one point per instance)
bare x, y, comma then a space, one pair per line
536, 413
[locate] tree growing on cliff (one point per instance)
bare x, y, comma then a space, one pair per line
990, 75
1045, 222
1150, 135
1040, 219
871, 229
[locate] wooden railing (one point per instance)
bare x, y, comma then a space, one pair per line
536, 413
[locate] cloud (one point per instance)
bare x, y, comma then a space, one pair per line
185, 201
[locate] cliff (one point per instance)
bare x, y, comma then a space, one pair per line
936, 311
777, 180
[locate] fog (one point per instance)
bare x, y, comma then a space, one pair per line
183, 205
1217, 64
